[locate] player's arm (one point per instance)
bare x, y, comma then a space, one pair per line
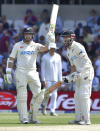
10, 61
81, 52
73, 76
44, 48
8, 76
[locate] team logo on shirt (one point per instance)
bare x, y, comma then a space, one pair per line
27, 52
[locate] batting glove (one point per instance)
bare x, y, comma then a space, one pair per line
8, 78
50, 37
75, 75
65, 79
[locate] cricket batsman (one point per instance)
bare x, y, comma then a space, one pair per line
26, 53
82, 75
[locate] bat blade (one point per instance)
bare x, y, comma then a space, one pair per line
53, 18
54, 87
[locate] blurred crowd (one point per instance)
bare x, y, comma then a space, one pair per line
88, 35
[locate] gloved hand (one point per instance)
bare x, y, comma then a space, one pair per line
65, 79
50, 37
8, 78
75, 75
71, 77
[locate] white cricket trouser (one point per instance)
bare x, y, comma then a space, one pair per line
24, 77
53, 95
82, 95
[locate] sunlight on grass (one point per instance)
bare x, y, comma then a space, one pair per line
11, 119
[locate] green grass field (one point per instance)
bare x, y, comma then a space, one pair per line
11, 119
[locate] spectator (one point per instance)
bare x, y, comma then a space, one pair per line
1, 71
81, 40
1, 29
65, 66
88, 37
97, 66
92, 47
51, 62
1, 83
59, 40
12, 29
90, 51
4, 62
15, 39
96, 29
95, 83
21, 33
4, 21
35, 30
44, 15
42, 40
4, 43
59, 25
78, 31
1, 57
44, 28
30, 19
92, 19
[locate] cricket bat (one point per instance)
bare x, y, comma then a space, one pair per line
53, 18
53, 87
44, 92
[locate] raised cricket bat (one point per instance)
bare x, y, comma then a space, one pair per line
53, 18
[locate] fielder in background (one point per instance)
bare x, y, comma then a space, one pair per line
51, 72
82, 75
26, 53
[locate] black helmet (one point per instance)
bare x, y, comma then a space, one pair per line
28, 30
68, 41
68, 33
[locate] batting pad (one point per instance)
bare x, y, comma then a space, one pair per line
36, 103
22, 103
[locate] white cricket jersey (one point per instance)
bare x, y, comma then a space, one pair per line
26, 54
51, 68
78, 57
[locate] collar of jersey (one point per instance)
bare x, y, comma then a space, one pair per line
26, 44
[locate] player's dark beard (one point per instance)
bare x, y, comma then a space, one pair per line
28, 40
68, 43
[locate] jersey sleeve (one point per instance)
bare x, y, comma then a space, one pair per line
80, 51
38, 46
14, 51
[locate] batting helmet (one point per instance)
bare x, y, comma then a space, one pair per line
68, 33
28, 30
68, 41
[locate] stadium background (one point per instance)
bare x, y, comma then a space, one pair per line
82, 16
